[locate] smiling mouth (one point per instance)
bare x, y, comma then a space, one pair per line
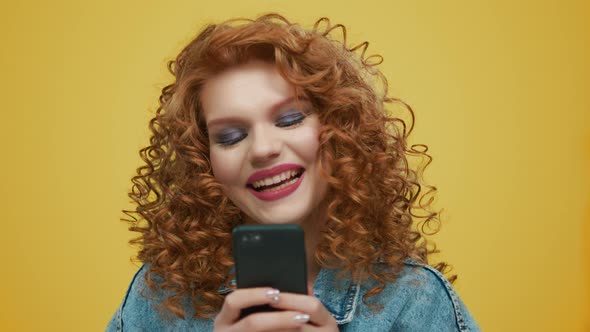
277, 182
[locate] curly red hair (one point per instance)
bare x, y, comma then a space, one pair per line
378, 206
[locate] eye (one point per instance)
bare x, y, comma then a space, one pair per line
230, 137
290, 119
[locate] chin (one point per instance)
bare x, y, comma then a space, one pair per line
281, 217
281, 220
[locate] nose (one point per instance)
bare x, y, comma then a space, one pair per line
265, 145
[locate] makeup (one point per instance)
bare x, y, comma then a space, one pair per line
264, 144
275, 183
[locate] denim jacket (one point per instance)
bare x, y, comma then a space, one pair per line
420, 299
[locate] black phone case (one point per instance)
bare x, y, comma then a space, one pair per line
270, 256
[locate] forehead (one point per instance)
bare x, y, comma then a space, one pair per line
247, 87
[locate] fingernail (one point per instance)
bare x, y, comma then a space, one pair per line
273, 295
301, 318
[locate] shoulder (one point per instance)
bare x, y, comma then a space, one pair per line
138, 308
421, 298
430, 296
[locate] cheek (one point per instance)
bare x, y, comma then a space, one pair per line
224, 167
308, 144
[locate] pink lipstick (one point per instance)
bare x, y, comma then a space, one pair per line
275, 183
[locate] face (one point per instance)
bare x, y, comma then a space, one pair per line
263, 144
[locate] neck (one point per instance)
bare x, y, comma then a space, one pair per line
313, 268
312, 227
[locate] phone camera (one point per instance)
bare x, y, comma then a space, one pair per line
252, 238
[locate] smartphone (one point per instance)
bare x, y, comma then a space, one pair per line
270, 256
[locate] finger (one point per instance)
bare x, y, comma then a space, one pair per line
310, 305
272, 321
244, 298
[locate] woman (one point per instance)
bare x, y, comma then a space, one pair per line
269, 123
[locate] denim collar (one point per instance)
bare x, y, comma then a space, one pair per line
339, 295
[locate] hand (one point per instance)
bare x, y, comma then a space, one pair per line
299, 312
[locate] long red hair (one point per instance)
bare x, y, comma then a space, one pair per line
378, 206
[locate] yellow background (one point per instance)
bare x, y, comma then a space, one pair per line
500, 89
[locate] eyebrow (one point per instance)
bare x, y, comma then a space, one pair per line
275, 107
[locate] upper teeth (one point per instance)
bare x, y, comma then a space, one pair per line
275, 179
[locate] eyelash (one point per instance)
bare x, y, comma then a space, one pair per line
229, 141
294, 119
291, 120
